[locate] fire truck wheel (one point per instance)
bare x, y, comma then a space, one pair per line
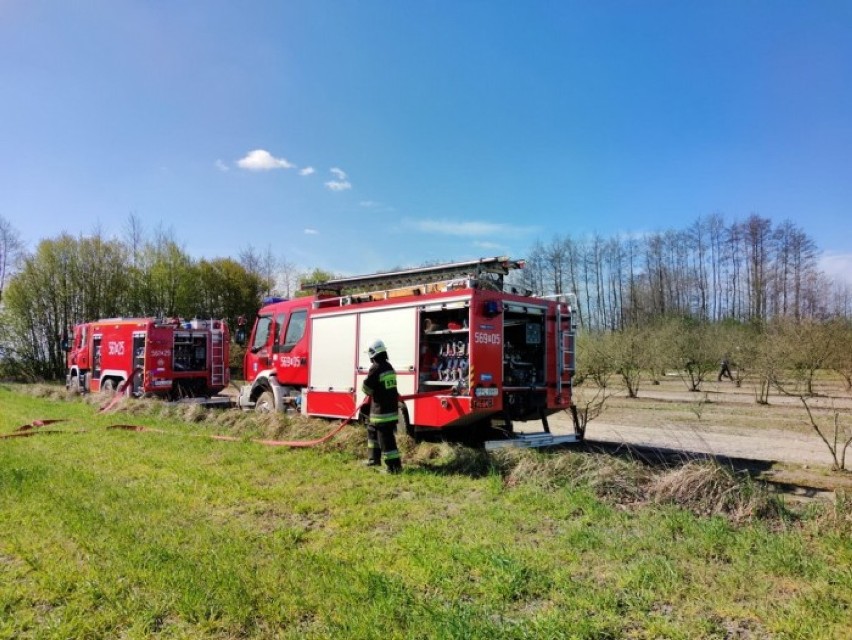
74, 385
108, 386
403, 423
265, 403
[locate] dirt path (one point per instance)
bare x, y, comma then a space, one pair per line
724, 420
770, 445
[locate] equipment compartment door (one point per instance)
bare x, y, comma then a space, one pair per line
331, 379
333, 353
96, 358
398, 329
138, 361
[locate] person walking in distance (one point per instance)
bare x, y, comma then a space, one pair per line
725, 370
380, 386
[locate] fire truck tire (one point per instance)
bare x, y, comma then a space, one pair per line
265, 403
403, 423
74, 385
108, 386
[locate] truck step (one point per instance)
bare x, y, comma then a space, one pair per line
532, 440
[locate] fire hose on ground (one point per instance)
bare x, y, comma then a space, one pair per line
36, 426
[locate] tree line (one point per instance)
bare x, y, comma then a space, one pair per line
67, 280
748, 270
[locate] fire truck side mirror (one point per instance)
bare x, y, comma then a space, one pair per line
240, 336
65, 345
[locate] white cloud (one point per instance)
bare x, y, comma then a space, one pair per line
470, 228
338, 185
221, 166
307, 171
487, 245
311, 232
262, 160
837, 266
341, 183
378, 207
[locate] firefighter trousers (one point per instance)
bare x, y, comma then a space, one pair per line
381, 442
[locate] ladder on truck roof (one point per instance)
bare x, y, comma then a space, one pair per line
498, 266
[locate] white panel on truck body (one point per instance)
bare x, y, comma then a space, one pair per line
397, 328
333, 353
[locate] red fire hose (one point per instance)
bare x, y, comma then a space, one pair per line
31, 429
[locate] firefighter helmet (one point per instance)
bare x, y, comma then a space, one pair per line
376, 348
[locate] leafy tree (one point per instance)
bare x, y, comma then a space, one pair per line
227, 290
41, 300
312, 277
169, 285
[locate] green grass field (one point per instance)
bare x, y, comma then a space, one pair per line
109, 534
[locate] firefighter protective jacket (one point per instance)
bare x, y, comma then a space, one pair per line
380, 385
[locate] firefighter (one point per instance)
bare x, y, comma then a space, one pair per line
725, 370
380, 386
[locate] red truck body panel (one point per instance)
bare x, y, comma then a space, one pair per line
163, 357
464, 354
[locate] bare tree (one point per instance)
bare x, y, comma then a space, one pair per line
758, 247
837, 437
630, 357
11, 250
288, 278
697, 350
264, 264
804, 347
715, 229
592, 379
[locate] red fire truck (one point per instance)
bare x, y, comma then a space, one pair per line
173, 358
471, 354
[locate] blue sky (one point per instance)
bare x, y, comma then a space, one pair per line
356, 136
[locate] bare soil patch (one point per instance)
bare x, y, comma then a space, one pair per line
724, 420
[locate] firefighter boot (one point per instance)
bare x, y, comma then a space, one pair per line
375, 459
393, 465
375, 451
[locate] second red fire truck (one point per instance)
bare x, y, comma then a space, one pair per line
172, 357
471, 354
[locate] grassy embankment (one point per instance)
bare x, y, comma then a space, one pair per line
119, 534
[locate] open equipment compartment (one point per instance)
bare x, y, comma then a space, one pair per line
190, 351
523, 346
445, 346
